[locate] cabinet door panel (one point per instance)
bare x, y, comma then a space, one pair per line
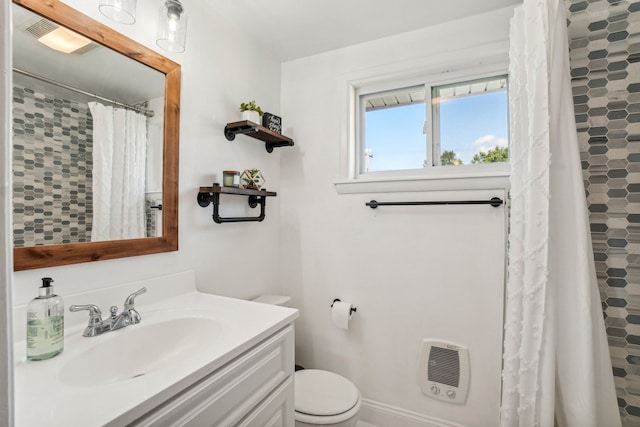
227, 395
275, 411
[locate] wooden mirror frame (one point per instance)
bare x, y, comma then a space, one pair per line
27, 258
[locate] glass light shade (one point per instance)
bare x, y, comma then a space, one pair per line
122, 11
172, 26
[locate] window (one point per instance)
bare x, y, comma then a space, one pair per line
394, 130
424, 126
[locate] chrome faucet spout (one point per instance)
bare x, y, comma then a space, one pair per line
97, 325
119, 320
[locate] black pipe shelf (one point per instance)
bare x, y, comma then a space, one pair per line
211, 195
245, 127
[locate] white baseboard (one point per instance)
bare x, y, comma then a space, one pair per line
383, 415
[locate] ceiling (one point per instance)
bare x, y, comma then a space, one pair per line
96, 69
297, 28
291, 29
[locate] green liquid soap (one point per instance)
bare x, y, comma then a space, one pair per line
45, 338
45, 324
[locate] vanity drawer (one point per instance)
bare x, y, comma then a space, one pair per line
227, 395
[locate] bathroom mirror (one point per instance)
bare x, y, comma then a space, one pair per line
96, 135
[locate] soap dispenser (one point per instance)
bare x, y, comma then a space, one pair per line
45, 323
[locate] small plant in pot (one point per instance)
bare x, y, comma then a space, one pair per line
251, 112
252, 179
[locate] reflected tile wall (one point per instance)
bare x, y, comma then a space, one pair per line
604, 39
52, 137
151, 218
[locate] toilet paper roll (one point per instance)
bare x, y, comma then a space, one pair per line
341, 314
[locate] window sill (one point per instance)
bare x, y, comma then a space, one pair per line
475, 180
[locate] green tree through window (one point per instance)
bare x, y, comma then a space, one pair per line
449, 158
497, 154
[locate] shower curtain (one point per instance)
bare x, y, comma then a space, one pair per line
556, 363
119, 157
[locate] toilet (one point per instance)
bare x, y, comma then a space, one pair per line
322, 398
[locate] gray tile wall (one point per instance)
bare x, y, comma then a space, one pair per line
51, 137
151, 218
604, 38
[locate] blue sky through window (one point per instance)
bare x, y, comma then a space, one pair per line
469, 124
395, 138
475, 123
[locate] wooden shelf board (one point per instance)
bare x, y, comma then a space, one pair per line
237, 191
263, 134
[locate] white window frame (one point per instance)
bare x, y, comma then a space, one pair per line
354, 180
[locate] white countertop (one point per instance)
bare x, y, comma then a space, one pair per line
43, 397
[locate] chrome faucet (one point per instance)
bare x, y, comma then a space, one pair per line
97, 325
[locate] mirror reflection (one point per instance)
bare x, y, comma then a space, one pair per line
87, 138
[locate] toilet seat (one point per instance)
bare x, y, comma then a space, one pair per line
324, 397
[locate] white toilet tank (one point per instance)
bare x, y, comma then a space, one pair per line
281, 300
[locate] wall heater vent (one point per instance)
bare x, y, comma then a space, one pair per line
444, 371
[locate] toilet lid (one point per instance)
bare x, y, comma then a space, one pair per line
324, 393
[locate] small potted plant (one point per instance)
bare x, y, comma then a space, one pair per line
252, 179
251, 112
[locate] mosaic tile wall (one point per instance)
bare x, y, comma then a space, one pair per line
52, 136
604, 39
151, 218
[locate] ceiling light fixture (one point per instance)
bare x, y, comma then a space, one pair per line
64, 40
172, 26
122, 11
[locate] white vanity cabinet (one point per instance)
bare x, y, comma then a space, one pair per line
195, 359
254, 389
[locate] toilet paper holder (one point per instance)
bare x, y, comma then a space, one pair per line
353, 309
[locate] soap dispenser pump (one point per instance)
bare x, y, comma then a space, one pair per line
45, 323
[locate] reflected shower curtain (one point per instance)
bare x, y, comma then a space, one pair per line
556, 359
119, 157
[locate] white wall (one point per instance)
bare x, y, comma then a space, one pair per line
220, 68
413, 272
6, 247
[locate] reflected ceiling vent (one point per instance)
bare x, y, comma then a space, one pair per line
60, 38
41, 27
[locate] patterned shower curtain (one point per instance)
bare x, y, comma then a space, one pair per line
119, 158
556, 360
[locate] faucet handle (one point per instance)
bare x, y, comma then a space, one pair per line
95, 315
95, 326
129, 306
129, 302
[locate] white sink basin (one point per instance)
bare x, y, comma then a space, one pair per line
116, 377
137, 350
